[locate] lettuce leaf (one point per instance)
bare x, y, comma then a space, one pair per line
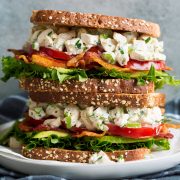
160, 78
18, 69
105, 143
95, 144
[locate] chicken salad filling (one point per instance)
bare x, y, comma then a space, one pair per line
94, 118
118, 47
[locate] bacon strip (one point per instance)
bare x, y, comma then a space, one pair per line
17, 51
23, 57
167, 136
48, 62
90, 134
91, 56
74, 62
81, 60
175, 126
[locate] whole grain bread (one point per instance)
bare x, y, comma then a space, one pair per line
89, 86
80, 156
65, 18
101, 99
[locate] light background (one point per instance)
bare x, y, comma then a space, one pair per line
15, 26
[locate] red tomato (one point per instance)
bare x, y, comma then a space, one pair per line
33, 122
24, 127
143, 132
145, 65
55, 53
42, 127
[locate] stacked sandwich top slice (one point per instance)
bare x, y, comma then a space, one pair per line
91, 81
67, 45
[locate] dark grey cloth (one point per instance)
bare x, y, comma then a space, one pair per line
13, 108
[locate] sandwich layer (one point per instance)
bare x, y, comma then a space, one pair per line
100, 99
55, 115
65, 18
90, 86
81, 156
76, 110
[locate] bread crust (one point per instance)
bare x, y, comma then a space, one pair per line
89, 86
65, 18
101, 99
80, 156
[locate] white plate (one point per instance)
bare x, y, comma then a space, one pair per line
158, 161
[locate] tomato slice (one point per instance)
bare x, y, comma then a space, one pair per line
145, 65
33, 122
136, 133
55, 53
24, 127
43, 127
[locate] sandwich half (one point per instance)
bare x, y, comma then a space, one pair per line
91, 81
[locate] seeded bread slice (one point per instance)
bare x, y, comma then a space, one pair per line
101, 99
80, 156
65, 18
89, 86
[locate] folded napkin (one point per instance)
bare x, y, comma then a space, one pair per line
13, 107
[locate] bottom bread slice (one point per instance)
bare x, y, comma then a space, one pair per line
80, 156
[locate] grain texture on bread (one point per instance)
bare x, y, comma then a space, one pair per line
65, 18
80, 156
89, 86
101, 99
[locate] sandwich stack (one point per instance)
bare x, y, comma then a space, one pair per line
91, 81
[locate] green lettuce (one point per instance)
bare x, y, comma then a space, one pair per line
18, 69
105, 143
160, 78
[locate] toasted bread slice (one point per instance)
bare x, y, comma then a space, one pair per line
101, 99
65, 18
80, 156
89, 86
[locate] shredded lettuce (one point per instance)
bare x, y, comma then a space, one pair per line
18, 69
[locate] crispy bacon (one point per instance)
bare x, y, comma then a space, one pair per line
94, 57
175, 126
43, 127
17, 51
46, 61
164, 129
74, 62
25, 58
167, 136
86, 60
26, 126
89, 133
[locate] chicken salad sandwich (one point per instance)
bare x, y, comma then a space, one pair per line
91, 81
